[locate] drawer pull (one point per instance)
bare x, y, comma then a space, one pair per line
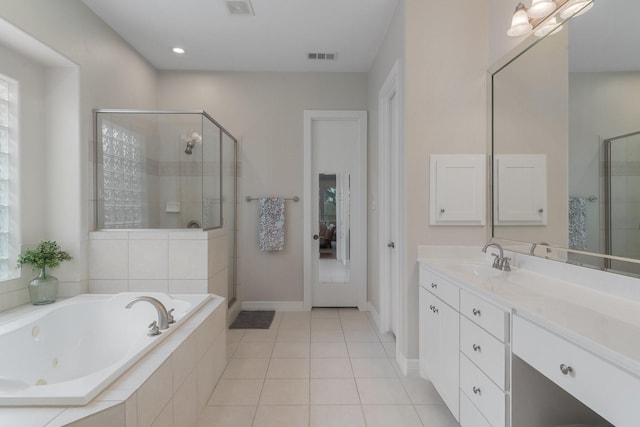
476, 347
566, 370
476, 312
434, 286
431, 307
476, 390
435, 310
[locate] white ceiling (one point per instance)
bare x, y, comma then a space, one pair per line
606, 38
277, 38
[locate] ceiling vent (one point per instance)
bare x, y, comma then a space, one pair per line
240, 7
322, 56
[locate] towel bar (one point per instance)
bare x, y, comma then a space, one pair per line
251, 199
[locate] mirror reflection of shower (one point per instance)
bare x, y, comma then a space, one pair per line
192, 140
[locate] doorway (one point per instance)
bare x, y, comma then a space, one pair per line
335, 212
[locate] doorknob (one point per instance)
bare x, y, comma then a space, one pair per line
391, 244
316, 237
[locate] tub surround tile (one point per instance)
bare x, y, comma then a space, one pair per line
209, 370
148, 235
28, 417
96, 414
165, 419
148, 259
183, 361
187, 286
188, 235
154, 395
131, 411
98, 286
109, 259
185, 407
153, 285
188, 259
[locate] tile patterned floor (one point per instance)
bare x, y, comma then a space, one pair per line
324, 368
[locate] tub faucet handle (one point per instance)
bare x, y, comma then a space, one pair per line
153, 329
170, 317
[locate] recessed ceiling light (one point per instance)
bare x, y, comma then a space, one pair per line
178, 50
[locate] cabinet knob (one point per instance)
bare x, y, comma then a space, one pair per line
540, 210
476, 312
476, 390
441, 211
476, 347
566, 370
434, 286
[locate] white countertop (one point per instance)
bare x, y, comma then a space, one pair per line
603, 323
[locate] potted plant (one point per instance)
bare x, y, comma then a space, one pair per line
44, 288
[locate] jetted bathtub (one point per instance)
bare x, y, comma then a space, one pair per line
68, 352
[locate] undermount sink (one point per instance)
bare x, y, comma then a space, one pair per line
480, 270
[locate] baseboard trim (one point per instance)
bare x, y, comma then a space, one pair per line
273, 305
409, 367
374, 315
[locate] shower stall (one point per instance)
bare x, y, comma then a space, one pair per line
622, 201
166, 170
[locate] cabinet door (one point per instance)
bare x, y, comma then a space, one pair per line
457, 189
449, 356
520, 189
429, 361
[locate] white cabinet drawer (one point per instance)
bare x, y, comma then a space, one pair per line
606, 389
486, 315
484, 350
485, 395
442, 288
469, 414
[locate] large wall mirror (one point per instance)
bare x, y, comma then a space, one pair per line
566, 141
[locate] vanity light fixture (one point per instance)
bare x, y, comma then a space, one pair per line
520, 24
549, 27
178, 50
579, 6
541, 8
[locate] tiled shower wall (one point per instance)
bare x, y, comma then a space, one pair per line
171, 261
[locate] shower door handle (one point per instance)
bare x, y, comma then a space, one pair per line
316, 237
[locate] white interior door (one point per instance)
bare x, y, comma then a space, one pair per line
335, 212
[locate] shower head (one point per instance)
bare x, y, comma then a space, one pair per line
192, 140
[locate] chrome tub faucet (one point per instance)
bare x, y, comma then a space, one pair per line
164, 316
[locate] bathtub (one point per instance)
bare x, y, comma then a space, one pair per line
68, 352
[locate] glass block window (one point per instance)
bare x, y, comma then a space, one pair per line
9, 229
122, 161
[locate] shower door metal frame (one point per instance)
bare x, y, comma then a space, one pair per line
608, 239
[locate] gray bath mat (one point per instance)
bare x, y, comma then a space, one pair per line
253, 320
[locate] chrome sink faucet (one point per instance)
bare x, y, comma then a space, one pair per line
500, 262
164, 316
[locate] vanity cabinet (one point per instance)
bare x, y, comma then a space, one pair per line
607, 389
464, 350
439, 340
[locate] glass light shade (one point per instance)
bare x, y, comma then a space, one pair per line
550, 27
520, 24
541, 8
580, 5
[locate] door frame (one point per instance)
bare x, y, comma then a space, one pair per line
391, 87
358, 205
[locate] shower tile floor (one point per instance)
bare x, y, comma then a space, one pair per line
324, 368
